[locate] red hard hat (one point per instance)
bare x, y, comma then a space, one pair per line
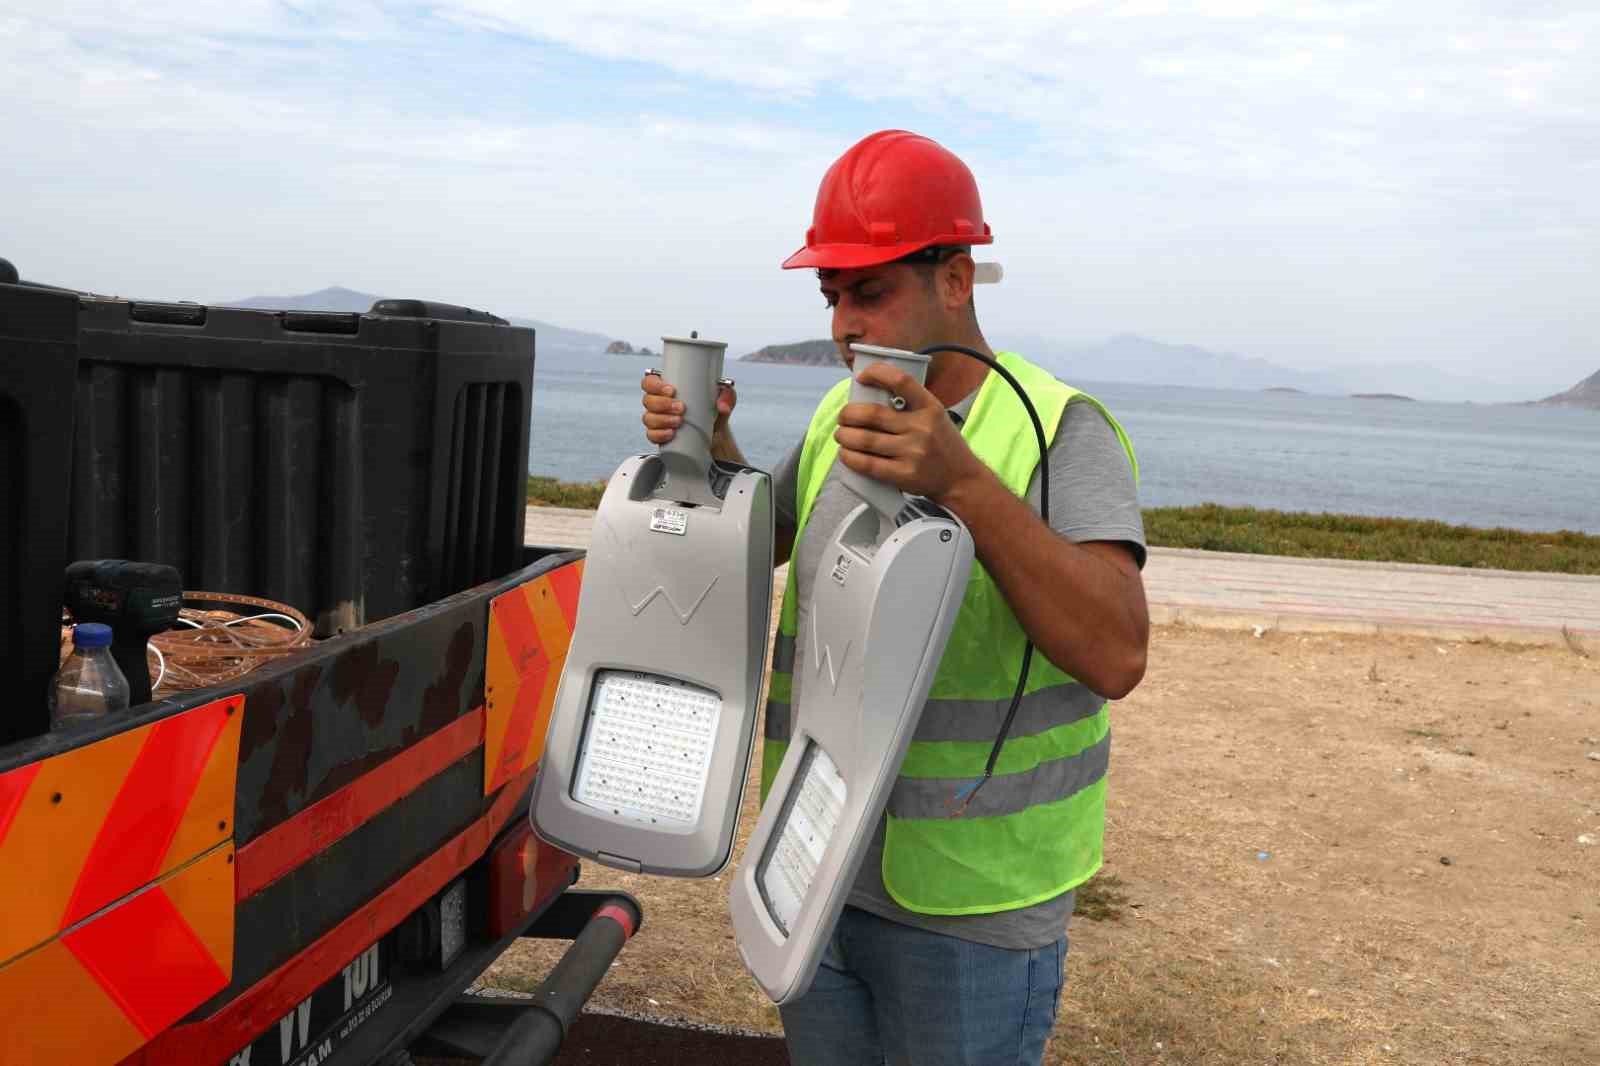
891, 194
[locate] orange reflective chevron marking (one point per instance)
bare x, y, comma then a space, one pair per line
565, 582
212, 798
530, 628
200, 898
555, 634
138, 831
117, 886
98, 993
13, 786
56, 825
56, 1012
148, 959
500, 684
534, 668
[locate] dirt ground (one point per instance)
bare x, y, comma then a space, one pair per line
1320, 849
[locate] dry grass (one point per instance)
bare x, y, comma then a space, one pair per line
1213, 527
682, 964
1351, 941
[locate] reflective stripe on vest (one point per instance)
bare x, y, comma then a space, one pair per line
1034, 830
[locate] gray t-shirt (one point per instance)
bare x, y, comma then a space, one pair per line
1092, 497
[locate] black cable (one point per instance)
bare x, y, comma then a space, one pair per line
965, 797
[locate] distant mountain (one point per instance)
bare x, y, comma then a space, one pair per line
548, 338
1585, 393
557, 338
330, 299
802, 353
1142, 361
1126, 358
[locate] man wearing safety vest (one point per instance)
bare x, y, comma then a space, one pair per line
951, 947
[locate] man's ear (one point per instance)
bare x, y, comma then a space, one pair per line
955, 281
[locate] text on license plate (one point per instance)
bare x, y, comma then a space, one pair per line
318, 1024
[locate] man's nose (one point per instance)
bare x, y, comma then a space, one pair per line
847, 327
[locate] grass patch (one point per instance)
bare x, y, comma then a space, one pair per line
1396, 540
550, 492
1100, 899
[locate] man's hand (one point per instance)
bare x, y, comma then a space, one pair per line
663, 411
917, 450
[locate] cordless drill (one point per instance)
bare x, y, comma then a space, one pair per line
137, 600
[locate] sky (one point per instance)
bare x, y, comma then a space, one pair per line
1318, 184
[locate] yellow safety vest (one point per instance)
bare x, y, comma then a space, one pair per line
1035, 829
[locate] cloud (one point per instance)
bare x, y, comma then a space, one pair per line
1403, 178
1247, 69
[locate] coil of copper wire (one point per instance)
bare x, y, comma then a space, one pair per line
215, 642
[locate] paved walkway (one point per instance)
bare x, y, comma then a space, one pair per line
1223, 589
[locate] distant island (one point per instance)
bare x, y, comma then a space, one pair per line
1126, 358
1585, 393
1382, 396
550, 337
802, 353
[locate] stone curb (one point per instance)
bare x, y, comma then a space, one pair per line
1585, 641
1377, 567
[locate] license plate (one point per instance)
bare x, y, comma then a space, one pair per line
318, 1024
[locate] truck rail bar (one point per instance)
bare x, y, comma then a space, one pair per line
507, 1030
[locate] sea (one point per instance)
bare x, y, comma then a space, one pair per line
1520, 467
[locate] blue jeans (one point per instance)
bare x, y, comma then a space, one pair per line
887, 993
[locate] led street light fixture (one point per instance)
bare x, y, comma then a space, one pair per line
654, 720
884, 600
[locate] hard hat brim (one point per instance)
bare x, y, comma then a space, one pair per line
857, 256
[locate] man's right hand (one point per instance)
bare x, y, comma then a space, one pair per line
663, 411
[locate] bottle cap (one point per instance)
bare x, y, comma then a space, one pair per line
91, 635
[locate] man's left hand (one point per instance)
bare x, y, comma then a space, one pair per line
918, 450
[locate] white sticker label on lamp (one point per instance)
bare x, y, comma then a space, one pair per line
669, 520
647, 747
810, 824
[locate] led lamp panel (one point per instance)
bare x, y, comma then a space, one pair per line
647, 747
883, 603
653, 725
809, 824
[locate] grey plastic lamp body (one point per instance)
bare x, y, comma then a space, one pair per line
651, 733
693, 367
884, 600
885, 499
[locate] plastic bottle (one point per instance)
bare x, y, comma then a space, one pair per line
90, 684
